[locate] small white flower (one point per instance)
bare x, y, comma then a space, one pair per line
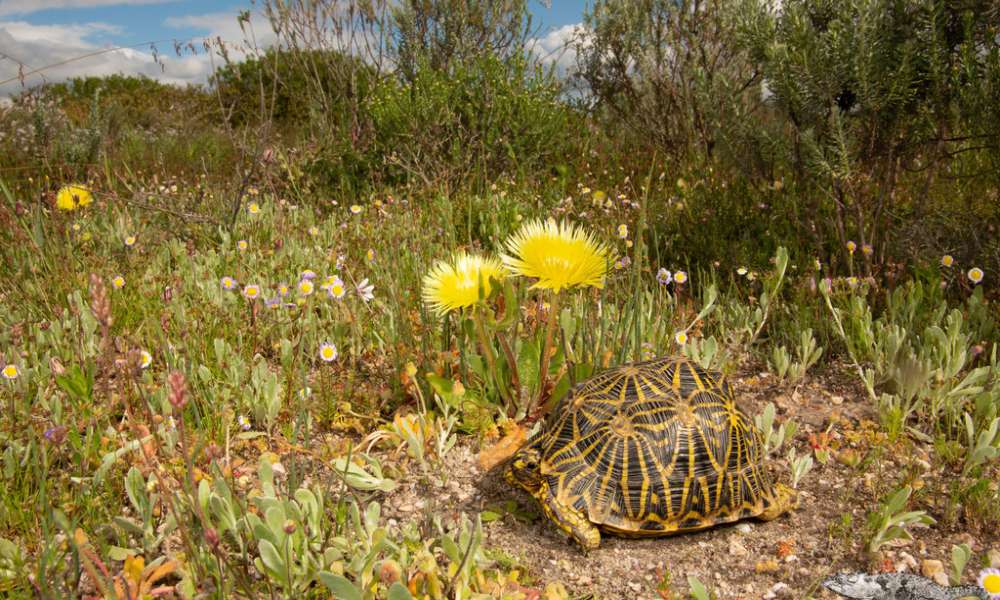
366, 290
328, 352
336, 288
147, 359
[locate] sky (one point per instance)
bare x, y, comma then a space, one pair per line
73, 38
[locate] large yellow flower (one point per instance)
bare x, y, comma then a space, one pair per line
71, 197
558, 255
457, 284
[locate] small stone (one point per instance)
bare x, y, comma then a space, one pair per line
836, 400
584, 580
635, 586
736, 548
744, 528
776, 590
906, 562
766, 566
994, 556
934, 569
405, 508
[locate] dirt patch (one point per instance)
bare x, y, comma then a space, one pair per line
788, 557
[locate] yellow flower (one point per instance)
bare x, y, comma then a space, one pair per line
147, 359
228, 283
558, 255
457, 284
242, 245
355, 209
947, 260
681, 337
130, 241
680, 277
867, 249
11, 372
975, 275
118, 282
314, 231
623, 231
851, 246
370, 255
305, 287
254, 208
72, 197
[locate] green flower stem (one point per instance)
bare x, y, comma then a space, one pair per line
543, 369
491, 362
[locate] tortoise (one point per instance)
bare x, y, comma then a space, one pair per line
648, 449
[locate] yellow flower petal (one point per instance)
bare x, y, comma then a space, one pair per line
457, 284
71, 197
558, 255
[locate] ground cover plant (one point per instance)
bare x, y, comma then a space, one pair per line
278, 350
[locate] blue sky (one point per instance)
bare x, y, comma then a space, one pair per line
37, 33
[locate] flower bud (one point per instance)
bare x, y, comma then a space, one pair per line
212, 538
389, 571
178, 390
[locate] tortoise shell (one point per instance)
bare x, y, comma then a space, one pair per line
648, 449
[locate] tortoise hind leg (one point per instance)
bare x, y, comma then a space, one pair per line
571, 520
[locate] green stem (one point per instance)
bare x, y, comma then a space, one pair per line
543, 369
491, 362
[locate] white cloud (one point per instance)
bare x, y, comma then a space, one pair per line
27, 7
226, 26
61, 52
557, 47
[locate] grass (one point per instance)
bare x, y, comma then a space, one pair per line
122, 476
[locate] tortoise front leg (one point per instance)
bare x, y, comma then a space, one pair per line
569, 519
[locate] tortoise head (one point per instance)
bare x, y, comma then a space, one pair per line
523, 469
783, 499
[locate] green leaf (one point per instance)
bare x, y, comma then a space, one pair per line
272, 559
399, 592
340, 586
698, 590
129, 525
118, 553
451, 548
489, 516
135, 488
